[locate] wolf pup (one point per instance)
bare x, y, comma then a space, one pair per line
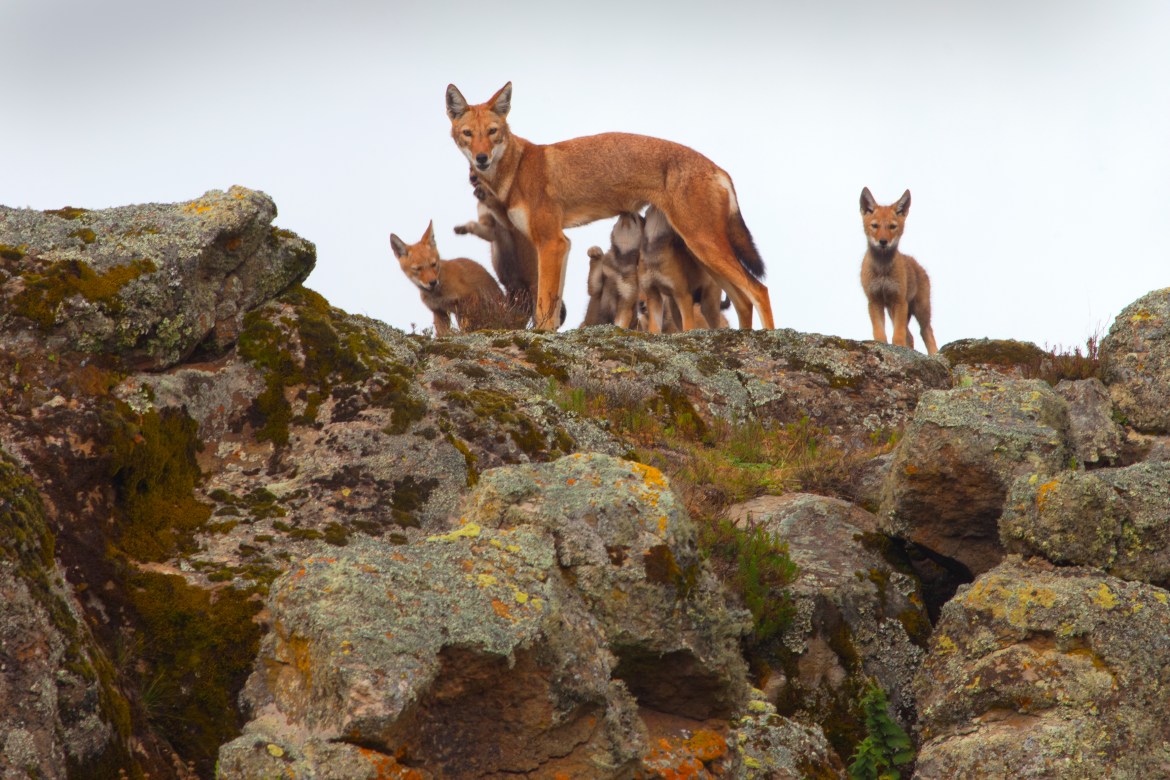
613, 276
461, 287
547, 188
513, 256
673, 281
893, 281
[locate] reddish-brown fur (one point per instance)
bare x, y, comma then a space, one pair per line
613, 275
547, 188
893, 281
461, 287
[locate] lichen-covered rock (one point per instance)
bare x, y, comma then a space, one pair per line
981, 360
1096, 438
1135, 362
1042, 672
464, 655
1116, 520
59, 712
858, 617
147, 283
629, 548
960, 453
771, 747
855, 390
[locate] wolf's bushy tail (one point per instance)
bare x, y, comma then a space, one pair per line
744, 246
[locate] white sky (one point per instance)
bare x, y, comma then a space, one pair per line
1034, 136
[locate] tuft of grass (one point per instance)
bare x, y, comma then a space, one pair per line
755, 563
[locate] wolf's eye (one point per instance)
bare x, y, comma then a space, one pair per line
893, 226
874, 225
466, 133
491, 131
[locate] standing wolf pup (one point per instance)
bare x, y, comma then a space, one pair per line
461, 287
549, 187
892, 280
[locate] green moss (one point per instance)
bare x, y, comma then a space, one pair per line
318, 351
69, 212
410, 495
13, 253
336, 534
994, 352
45, 289
86, 235
676, 408
200, 650
489, 407
153, 471
469, 457
662, 567
546, 363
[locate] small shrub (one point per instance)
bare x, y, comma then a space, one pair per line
886, 747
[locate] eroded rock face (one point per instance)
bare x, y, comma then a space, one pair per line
1037, 671
1116, 520
460, 655
959, 455
58, 711
148, 283
629, 548
521, 641
771, 747
858, 617
1135, 362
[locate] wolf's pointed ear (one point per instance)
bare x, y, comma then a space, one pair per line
397, 246
501, 102
429, 236
868, 204
902, 207
456, 103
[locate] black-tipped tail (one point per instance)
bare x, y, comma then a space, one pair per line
744, 246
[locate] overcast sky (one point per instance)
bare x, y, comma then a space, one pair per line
1034, 136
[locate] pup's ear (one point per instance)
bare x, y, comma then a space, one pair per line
902, 207
868, 204
456, 103
501, 102
397, 246
429, 236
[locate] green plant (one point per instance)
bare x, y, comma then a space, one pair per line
756, 564
887, 745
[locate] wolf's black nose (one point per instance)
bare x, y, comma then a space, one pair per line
481, 159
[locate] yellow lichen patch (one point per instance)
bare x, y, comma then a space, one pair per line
945, 645
650, 475
275, 751
1161, 597
1103, 597
469, 531
706, 745
486, 580
1043, 491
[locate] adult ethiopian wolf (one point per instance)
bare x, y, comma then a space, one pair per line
549, 187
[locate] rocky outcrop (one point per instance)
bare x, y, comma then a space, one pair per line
59, 712
1096, 439
523, 640
1043, 672
148, 284
960, 453
1115, 520
1135, 362
858, 617
216, 478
